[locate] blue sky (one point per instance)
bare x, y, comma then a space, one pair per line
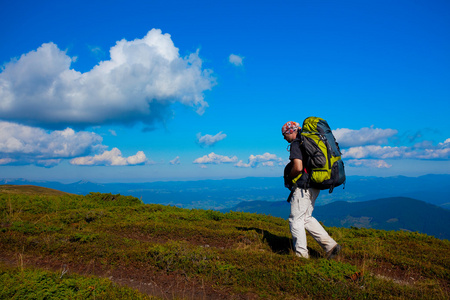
135, 91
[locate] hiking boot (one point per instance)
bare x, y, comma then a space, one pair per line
333, 252
302, 256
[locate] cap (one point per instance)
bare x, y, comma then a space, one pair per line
289, 127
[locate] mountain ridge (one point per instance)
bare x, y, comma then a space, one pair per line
393, 213
226, 193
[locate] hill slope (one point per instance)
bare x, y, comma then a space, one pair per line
30, 190
81, 247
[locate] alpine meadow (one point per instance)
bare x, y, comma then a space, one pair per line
56, 245
173, 149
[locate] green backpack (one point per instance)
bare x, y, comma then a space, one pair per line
323, 157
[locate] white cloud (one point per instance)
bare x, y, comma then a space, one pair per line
110, 158
47, 163
236, 59
30, 145
422, 151
373, 151
140, 81
364, 136
21, 144
370, 163
365, 148
137, 159
175, 161
213, 158
437, 153
97, 51
209, 140
5, 161
266, 159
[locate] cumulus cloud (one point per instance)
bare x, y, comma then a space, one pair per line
236, 59
5, 161
139, 83
209, 140
213, 158
364, 136
266, 159
97, 51
370, 163
175, 161
30, 145
441, 151
20, 144
374, 151
421, 151
366, 148
47, 163
110, 158
446, 143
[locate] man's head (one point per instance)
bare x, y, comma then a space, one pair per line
290, 130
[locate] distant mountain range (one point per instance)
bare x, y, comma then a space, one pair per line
404, 203
227, 193
396, 213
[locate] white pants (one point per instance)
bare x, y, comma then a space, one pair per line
302, 206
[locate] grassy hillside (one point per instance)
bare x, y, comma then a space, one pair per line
30, 190
104, 246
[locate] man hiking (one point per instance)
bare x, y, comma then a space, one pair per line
302, 199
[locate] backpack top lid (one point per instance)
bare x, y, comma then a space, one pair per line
315, 124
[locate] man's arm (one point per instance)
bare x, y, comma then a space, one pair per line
297, 168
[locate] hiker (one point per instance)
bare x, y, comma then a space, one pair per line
302, 200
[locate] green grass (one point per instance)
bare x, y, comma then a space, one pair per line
42, 284
228, 254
